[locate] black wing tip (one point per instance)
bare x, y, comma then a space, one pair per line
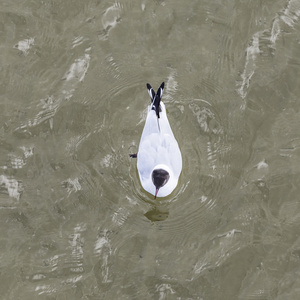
156, 97
151, 92
150, 87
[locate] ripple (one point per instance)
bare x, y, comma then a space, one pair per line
199, 198
51, 104
213, 135
110, 18
112, 66
263, 44
172, 86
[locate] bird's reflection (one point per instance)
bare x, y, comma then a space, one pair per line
157, 214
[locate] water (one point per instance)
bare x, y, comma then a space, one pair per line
75, 222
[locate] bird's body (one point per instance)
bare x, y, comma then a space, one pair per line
159, 160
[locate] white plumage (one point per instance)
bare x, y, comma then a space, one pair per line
159, 160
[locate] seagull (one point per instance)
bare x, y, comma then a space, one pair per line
159, 160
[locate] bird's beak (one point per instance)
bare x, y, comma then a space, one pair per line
156, 191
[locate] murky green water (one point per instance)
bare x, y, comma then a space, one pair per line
75, 222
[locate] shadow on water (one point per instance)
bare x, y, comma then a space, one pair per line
156, 214
158, 208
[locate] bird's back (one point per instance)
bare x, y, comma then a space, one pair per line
158, 144
159, 159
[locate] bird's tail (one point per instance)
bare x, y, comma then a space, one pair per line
155, 98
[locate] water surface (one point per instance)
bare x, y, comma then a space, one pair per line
75, 222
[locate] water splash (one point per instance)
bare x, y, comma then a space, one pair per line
78, 69
10, 186
76, 242
111, 16
71, 185
291, 13
250, 66
24, 46
288, 16
103, 249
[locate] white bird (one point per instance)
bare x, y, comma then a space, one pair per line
159, 160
